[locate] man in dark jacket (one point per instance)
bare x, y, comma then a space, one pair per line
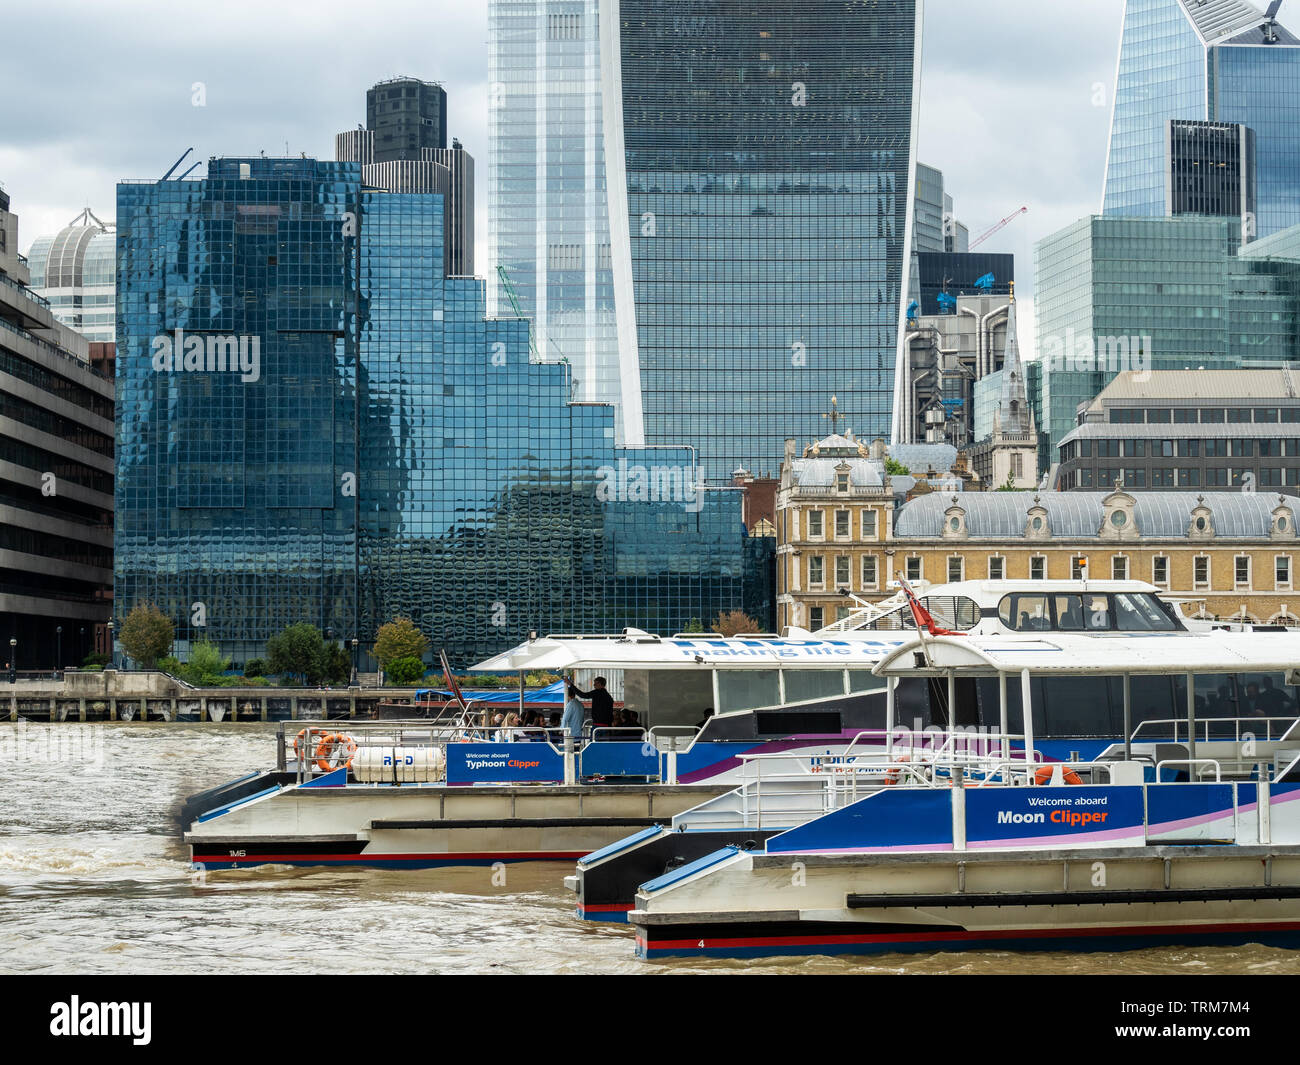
602, 703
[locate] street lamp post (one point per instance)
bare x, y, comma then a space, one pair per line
356, 677
58, 658
112, 648
13, 660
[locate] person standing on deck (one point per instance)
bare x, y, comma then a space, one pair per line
574, 712
602, 703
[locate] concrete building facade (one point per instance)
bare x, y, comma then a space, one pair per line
56, 477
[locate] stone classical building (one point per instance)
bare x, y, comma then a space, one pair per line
1230, 555
834, 506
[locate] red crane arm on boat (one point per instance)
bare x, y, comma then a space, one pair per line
922, 617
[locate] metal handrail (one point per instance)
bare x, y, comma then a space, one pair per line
1291, 719
1189, 762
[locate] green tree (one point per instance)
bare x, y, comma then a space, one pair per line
896, 469
400, 638
254, 667
694, 625
146, 634
338, 665
1010, 486
206, 663
300, 650
406, 670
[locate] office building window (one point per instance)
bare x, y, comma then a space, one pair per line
1282, 571
1201, 571
868, 524
842, 572
816, 529
1119, 568
841, 482
816, 616
913, 568
1241, 571
955, 568
1038, 568
997, 568
842, 527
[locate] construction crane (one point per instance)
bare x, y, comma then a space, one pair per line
996, 229
533, 354
514, 303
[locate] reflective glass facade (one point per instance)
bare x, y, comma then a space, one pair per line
1259, 86
1106, 284
765, 169
395, 451
548, 220
1161, 75
1184, 59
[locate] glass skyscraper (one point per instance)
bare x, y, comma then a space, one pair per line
1205, 60
1120, 293
759, 161
315, 424
548, 222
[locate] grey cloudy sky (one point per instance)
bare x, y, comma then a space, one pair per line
101, 90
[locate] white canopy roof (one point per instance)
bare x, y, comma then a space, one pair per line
1102, 653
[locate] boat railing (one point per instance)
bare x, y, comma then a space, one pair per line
1189, 762
1162, 726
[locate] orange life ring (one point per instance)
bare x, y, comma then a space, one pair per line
1044, 775
335, 743
298, 744
895, 774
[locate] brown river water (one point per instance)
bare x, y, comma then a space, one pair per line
94, 879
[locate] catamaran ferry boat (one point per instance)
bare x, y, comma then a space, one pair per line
1082, 711
971, 833
435, 793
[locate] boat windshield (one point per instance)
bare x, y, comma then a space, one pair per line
1086, 612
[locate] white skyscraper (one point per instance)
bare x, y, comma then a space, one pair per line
548, 224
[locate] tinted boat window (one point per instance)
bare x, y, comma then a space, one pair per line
1140, 613
804, 684
747, 689
952, 611
861, 680
1024, 612
1081, 613
1074, 706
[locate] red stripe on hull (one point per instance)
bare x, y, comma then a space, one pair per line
963, 936
557, 856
